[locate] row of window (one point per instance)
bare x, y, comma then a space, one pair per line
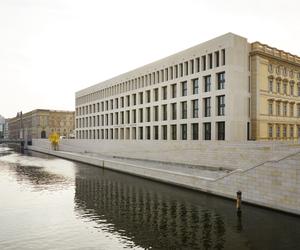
283, 131
282, 87
282, 108
280, 70
167, 111
157, 94
163, 132
189, 67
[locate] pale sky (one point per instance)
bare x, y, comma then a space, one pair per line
49, 49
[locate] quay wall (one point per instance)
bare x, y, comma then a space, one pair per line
274, 183
211, 154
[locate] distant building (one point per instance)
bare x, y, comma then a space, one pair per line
40, 123
223, 89
2, 126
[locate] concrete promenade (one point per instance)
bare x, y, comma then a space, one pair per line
274, 183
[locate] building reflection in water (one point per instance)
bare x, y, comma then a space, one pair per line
151, 217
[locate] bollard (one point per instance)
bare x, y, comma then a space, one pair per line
239, 202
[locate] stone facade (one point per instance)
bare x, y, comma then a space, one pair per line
40, 123
192, 95
275, 99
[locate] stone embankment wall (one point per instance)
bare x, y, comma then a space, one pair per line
212, 154
273, 183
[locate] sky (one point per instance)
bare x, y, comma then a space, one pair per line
49, 49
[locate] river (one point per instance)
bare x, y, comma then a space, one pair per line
51, 203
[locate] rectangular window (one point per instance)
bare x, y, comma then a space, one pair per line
284, 109
148, 114
155, 132
207, 107
285, 88
221, 80
141, 115
134, 116
217, 59
184, 88
181, 69
210, 61
117, 103
221, 105
173, 90
148, 133
270, 85
183, 110
122, 102
278, 131
195, 108
183, 131
164, 130
195, 85
128, 100
291, 131
195, 131
174, 111
207, 130
207, 83
111, 104
173, 132
203, 58
192, 66
141, 98
164, 93
186, 68
223, 56
221, 130
197, 64
270, 108
278, 87
291, 110
148, 96
128, 116
134, 99
284, 131
164, 112
155, 91
176, 71
155, 113
292, 89
141, 133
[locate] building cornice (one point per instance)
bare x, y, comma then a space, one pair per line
258, 48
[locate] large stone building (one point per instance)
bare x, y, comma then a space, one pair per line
40, 123
217, 90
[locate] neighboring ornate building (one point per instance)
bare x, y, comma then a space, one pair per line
275, 93
223, 89
40, 123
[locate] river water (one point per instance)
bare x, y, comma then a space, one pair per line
51, 203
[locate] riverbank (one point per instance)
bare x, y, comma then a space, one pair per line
273, 183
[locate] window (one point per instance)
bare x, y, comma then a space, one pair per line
221, 105
148, 96
148, 133
192, 66
155, 113
278, 109
291, 131
116, 118
210, 61
270, 131
270, 85
174, 111
181, 69
195, 131
164, 112
183, 131
141, 115
270, 108
285, 88
195, 85
284, 131
173, 90
221, 130
278, 87
285, 109
122, 102
148, 114
207, 130
112, 104
117, 103
207, 83
164, 93
203, 58
207, 107
134, 99
155, 128
184, 88
141, 133
223, 56
221, 80
197, 64
128, 116
186, 68
195, 108
141, 97
164, 130
217, 59
270, 68
291, 110
292, 89
183, 110
278, 131
174, 132
155, 94
134, 116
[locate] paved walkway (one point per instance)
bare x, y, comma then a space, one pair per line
178, 168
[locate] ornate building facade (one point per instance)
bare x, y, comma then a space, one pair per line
40, 123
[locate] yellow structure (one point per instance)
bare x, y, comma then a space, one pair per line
275, 94
54, 139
